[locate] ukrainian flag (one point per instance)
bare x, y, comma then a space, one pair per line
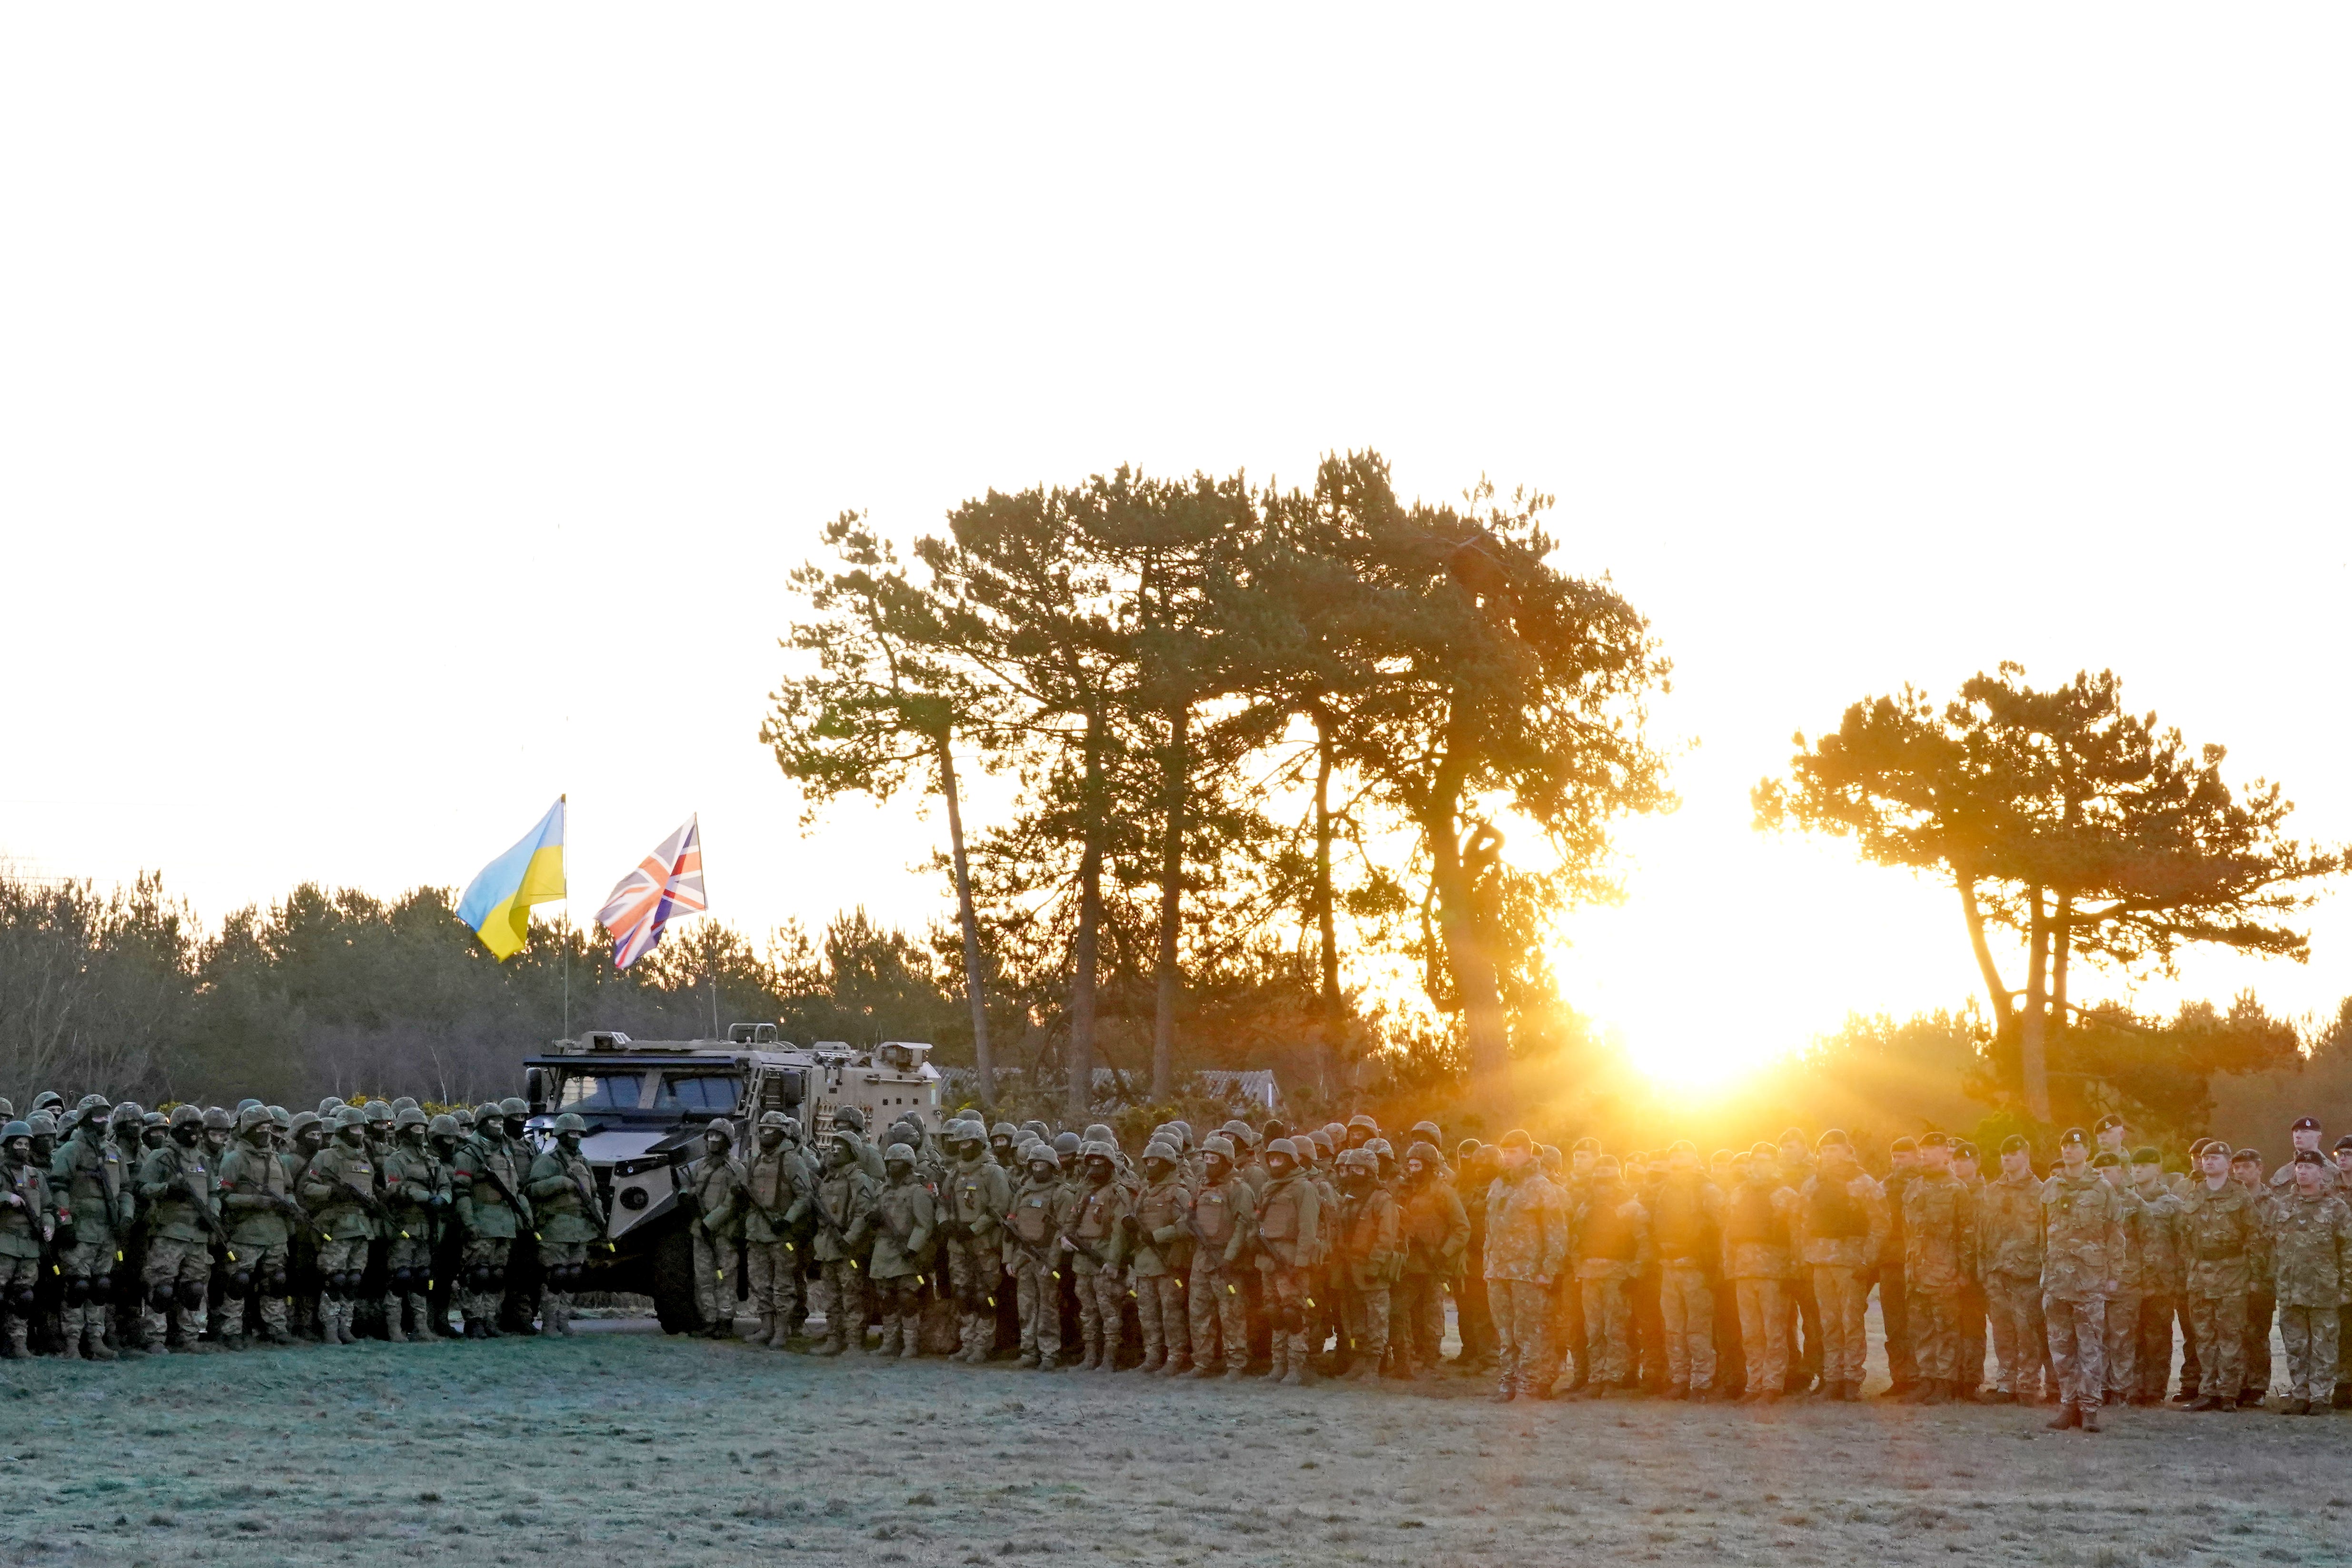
498, 902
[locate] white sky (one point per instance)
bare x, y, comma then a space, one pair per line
408, 415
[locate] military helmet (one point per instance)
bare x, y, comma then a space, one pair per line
303, 1121
898, 1155
1323, 1143
463, 1118
1435, 1135
219, 1119
90, 1103
405, 1102
719, 1128
571, 1122
442, 1126
15, 1129
850, 1117
1098, 1148
1035, 1152
1219, 1146
154, 1119
1380, 1146
1097, 1132
485, 1111
1068, 1143
48, 1100
514, 1105
1358, 1159
376, 1110
330, 1105
277, 1116
1159, 1148
767, 1119
350, 1116
126, 1113
7, 1108
251, 1117
43, 1124
1283, 1147
1425, 1153
1363, 1119
1003, 1130
187, 1116
411, 1117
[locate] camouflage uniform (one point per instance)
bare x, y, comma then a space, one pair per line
258, 1202
1369, 1258
2083, 1239
562, 1191
775, 1189
1939, 1253
844, 1196
2160, 1303
339, 1189
94, 1192
176, 1182
1291, 1242
978, 1192
416, 1193
1759, 1226
1687, 1229
904, 1221
2132, 1287
29, 1219
484, 1163
1611, 1239
2222, 1238
1225, 1211
1092, 1237
2311, 1248
1163, 1220
1033, 1250
1436, 1229
2008, 1230
1526, 1248
1840, 1230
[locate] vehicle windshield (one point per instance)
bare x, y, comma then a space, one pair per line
586, 1092
699, 1094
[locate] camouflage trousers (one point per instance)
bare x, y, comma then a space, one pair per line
1100, 1291
91, 1259
844, 1302
972, 1270
485, 1256
1687, 1309
1730, 1354
1895, 1315
2261, 1307
2310, 1333
555, 1305
1366, 1308
2078, 1340
1763, 1333
2018, 1337
18, 1274
1934, 1317
1522, 1314
2122, 1346
1567, 1334
263, 1266
1476, 1324
1608, 1331
1159, 1313
1976, 1309
1288, 1296
2152, 1357
714, 1292
174, 1275
1844, 1302
773, 1269
899, 1308
1219, 1320
2221, 1324
1038, 1286
1417, 1317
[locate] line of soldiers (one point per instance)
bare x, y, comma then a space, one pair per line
124, 1230
1746, 1276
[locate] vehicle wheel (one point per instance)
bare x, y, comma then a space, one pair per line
673, 1293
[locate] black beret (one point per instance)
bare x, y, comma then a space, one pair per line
2304, 1124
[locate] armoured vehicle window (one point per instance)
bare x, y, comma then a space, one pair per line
600, 1091
710, 1094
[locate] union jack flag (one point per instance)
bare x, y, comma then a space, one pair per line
667, 882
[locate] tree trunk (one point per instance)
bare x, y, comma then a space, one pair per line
1080, 1058
1171, 908
983, 1062
2001, 1000
2032, 1061
1476, 980
2062, 938
1335, 1022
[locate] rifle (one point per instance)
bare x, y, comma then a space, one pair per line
205, 1213
521, 1209
47, 1224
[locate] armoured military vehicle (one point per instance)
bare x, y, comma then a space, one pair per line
648, 1102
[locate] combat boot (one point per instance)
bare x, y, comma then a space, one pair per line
1028, 1362
2295, 1408
766, 1331
2069, 1418
94, 1346
1093, 1357
1175, 1367
2089, 1417
271, 1335
1301, 1372
1203, 1369
393, 1332
2251, 1398
889, 1347
1940, 1391
1153, 1359
779, 1339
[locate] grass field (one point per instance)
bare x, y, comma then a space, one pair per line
626, 1448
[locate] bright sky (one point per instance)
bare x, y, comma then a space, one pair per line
407, 415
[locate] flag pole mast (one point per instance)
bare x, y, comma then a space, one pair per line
564, 938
